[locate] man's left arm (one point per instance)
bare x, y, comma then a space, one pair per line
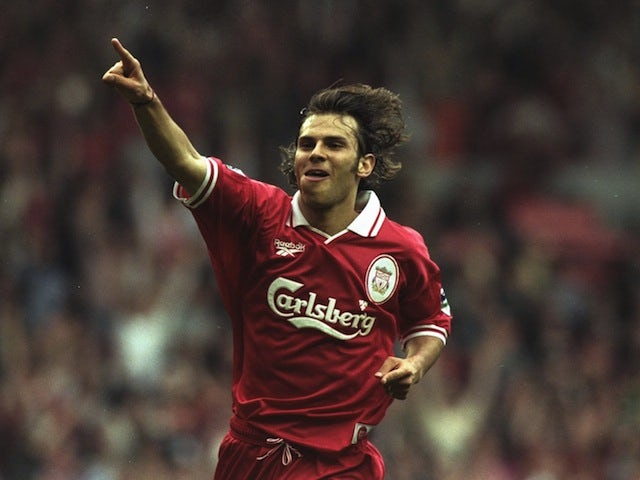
398, 375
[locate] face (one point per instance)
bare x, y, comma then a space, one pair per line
327, 164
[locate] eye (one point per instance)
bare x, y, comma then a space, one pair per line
335, 144
306, 144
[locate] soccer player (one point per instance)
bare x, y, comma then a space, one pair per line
318, 285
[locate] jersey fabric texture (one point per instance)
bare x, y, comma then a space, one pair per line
313, 316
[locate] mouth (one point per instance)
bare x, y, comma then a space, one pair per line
315, 174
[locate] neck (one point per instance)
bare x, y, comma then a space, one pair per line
327, 221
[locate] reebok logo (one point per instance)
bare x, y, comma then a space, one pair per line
306, 311
288, 249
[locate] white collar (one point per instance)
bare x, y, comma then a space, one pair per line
366, 224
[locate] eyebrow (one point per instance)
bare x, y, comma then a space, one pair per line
328, 138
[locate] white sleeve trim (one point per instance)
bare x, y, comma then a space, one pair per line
208, 183
426, 333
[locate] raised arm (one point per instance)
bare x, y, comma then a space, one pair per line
166, 140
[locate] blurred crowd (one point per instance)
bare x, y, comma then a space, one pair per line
522, 175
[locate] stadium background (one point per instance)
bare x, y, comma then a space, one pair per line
522, 175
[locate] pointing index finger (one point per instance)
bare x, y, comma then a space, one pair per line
124, 54
129, 62
126, 57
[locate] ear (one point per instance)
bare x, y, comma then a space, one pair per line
366, 165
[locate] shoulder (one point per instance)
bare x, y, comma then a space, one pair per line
405, 236
235, 175
231, 182
409, 249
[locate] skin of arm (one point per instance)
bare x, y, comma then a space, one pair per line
166, 140
398, 375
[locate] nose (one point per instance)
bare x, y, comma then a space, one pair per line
318, 152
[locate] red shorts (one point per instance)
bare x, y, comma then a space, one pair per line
248, 456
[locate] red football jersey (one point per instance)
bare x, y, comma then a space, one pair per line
314, 316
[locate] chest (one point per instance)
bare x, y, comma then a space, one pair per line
343, 286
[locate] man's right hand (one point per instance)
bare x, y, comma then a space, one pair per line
128, 78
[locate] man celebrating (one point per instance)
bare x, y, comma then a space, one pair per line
318, 285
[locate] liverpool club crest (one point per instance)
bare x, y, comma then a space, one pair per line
380, 283
382, 278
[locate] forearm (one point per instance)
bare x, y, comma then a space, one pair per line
169, 144
166, 140
423, 351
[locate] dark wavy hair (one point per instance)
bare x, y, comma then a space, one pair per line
381, 127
